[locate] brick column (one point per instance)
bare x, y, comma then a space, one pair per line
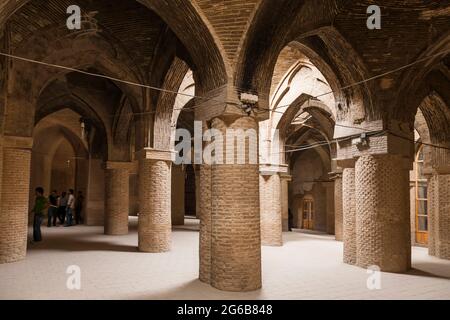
329, 187
270, 210
349, 215
382, 212
285, 201
178, 192
204, 214
235, 217
338, 210
117, 196
439, 215
154, 230
14, 189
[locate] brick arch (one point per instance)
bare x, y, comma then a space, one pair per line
169, 101
301, 104
189, 25
30, 81
436, 113
79, 146
102, 136
280, 23
420, 79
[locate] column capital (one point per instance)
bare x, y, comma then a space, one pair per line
155, 154
375, 144
119, 165
271, 169
335, 175
228, 102
16, 142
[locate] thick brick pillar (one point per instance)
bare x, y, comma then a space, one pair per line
439, 215
235, 217
338, 210
155, 227
117, 196
270, 209
382, 213
349, 215
14, 189
204, 214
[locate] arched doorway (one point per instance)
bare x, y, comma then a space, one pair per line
308, 212
419, 199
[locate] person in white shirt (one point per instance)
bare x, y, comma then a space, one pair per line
70, 208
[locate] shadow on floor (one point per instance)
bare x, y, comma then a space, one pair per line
77, 239
184, 292
422, 269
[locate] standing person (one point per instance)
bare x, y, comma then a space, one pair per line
52, 209
62, 206
40, 204
79, 207
70, 208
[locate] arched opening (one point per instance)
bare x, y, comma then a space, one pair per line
296, 142
59, 163
419, 200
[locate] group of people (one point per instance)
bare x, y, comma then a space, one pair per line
64, 207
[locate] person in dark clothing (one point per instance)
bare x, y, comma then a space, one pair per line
290, 220
62, 206
79, 207
40, 205
52, 209
70, 208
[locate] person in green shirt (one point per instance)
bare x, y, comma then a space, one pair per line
40, 205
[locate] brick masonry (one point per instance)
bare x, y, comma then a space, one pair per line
14, 207
439, 216
177, 206
117, 195
235, 220
349, 215
338, 210
382, 213
205, 224
155, 224
270, 210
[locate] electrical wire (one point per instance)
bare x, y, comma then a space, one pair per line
222, 102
